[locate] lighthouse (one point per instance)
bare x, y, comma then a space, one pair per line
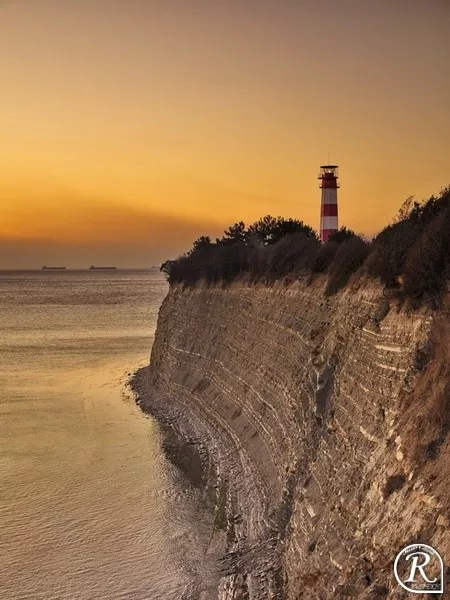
329, 205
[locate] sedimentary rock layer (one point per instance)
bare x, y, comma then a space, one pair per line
301, 401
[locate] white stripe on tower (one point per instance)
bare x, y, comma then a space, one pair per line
329, 223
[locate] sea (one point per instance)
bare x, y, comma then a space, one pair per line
90, 506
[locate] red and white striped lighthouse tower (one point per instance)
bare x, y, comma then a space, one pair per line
329, 206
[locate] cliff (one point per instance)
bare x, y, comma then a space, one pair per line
325, 419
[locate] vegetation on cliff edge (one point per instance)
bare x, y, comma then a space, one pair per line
412, 253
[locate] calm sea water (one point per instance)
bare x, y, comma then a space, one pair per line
90, 508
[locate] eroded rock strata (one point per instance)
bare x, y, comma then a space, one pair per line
307, 408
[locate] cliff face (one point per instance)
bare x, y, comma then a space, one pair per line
308, 408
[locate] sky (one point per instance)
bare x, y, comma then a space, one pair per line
128, 128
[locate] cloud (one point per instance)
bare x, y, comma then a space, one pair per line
66, 214
171, 240
76, 230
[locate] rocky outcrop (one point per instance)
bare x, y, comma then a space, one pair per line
307, 408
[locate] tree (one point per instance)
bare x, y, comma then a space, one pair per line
269, 230
341, 235
202, 244
166, 267
412, 251
405, 209
235, 234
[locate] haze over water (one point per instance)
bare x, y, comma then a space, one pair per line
90, 508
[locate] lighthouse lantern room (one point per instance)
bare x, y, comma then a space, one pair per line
329, 206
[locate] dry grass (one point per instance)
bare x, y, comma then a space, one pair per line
429, 406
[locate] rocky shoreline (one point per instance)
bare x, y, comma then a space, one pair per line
200, 455
298, 414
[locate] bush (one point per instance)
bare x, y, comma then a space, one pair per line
324, 257
347, 260
392, 245
243, 250
388, 255
257, 262
228, 262
293, 253
427, 265
413, 251
341, 235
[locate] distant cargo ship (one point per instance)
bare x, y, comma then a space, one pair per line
93, 267
53, 268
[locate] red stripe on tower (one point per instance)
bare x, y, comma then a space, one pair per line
329, 210
329, 205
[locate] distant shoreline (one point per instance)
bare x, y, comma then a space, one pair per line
72, 269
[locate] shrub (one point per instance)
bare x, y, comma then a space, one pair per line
429, 404
229, 261
349, 257
413, 251
291, 254
324, 257
393, 244
389, 249
341, 235
427, 265
257, 262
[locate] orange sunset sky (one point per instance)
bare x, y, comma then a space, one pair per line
131, 127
